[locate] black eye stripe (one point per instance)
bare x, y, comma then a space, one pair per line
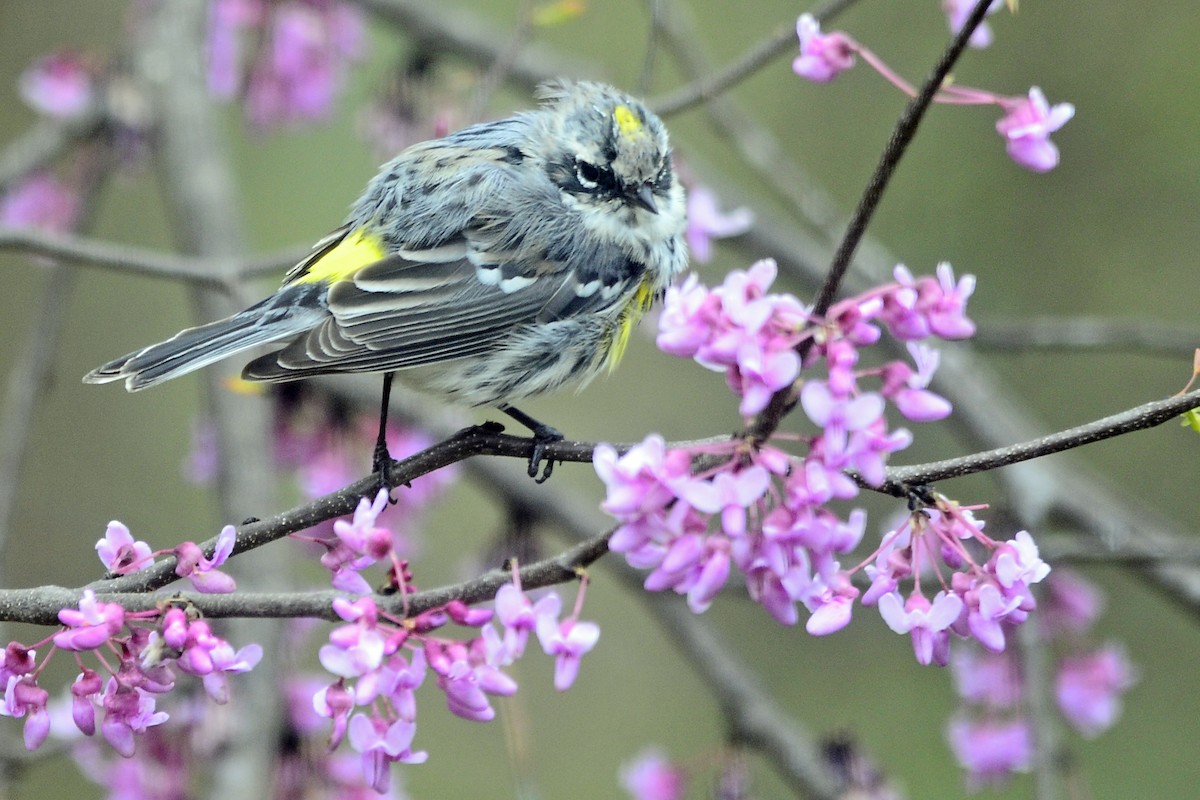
596, 178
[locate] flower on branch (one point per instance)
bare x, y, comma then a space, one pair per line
823, 56
203, 572
120, 553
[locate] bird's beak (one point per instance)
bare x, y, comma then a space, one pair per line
644, 197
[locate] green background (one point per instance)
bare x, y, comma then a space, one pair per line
1112, 231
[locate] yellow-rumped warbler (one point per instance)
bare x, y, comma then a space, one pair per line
500, 262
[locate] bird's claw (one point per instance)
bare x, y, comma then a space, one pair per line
543, 435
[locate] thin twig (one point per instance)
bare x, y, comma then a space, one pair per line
773, 45
1142, 417
1081, 334
97, 253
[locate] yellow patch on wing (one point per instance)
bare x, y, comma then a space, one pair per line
357, 250
627, 121
239, 385
643, 298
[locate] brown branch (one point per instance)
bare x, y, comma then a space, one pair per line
1145, 416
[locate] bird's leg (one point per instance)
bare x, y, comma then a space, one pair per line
543, 435
381, 460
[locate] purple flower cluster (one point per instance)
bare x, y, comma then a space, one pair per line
297, 69
979, 601
768, 513
991, 735
149, 647
380, 663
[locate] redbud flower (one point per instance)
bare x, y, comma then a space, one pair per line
467, 678
1089, 688
651, 776
91, 626
203, 572
381, 744
227, 661
928, 623
354, 650
705, 222
57, 85
957, 12
567, 641
18, 660
991, 750
24, 698
992, 680
518, 616
128, 711
1027, 126
822, 56
360, 543
85, 693
120, 553
301, 64
1071, 603
40, 201
335, 703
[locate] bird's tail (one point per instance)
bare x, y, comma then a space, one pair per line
291, 311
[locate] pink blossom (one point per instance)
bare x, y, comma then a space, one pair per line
705, 222
40, 201
400, 681
641, 480
822, 56
906, 387
24, 698
518, 616
357, 649
987, 608
227, 661
128, 711
991, 750
928, 623
120, 553
382, 744
1089, 688
1071, 602
567, 641
58, 85
728, 493
1017, 562
335, 702
1027, 126
946, 305
85, 694
957, 12
651, 776
91, 626
467, 678
990, 679
203, 572
18, 660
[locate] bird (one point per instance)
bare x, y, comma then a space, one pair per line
505, 260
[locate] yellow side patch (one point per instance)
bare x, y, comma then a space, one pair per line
643, 298
350, 255
627, 122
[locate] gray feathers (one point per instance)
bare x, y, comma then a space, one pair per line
506, 257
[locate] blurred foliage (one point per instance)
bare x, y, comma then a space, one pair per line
1110, 232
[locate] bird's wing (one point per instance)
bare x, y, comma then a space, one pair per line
459, 298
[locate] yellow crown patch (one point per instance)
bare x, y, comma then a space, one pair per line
627, 122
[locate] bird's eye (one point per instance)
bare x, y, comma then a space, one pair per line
588, 174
